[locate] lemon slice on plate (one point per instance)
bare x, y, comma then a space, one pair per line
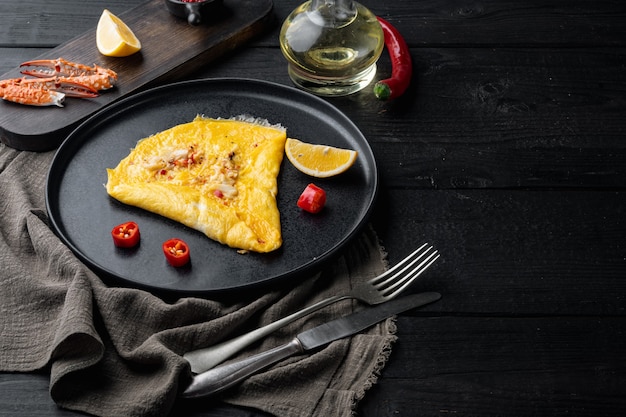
320, 161
114, 37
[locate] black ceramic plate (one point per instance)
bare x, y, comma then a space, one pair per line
83, 214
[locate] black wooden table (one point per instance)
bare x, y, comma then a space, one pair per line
509, 154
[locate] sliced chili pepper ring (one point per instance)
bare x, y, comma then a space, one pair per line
125, 235
176, 252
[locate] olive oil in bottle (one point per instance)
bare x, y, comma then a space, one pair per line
331, 46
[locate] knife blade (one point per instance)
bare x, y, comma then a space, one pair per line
225, 376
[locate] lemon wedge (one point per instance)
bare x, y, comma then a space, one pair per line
114, 37
320, 161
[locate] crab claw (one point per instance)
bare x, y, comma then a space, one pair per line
41, 68
73, 89
16, 91
97, 77
68, 86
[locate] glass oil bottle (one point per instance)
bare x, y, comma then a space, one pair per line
331, 46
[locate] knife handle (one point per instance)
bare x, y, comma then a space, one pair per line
206, 358
222, 377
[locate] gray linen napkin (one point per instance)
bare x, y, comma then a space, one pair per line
118, 351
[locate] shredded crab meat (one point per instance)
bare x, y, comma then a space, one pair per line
219, 178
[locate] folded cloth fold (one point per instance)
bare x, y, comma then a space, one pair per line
118, 351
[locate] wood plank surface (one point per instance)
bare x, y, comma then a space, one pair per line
423, 23
527, 366
515, 252
509, 154
51, 23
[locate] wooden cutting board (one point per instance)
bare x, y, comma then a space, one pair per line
171, 49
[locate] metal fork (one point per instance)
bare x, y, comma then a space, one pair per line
377, 290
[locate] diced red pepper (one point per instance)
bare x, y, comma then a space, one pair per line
312, 199
125, 235
176, 252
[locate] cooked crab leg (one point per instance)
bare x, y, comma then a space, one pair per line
14, 90
43, 91
69, 87
96, 77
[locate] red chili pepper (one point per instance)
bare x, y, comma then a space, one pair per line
176, 252
125, 235
312, 199
402, 66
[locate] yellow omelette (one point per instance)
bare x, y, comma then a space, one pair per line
218, 176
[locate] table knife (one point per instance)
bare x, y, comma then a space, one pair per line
225, 376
